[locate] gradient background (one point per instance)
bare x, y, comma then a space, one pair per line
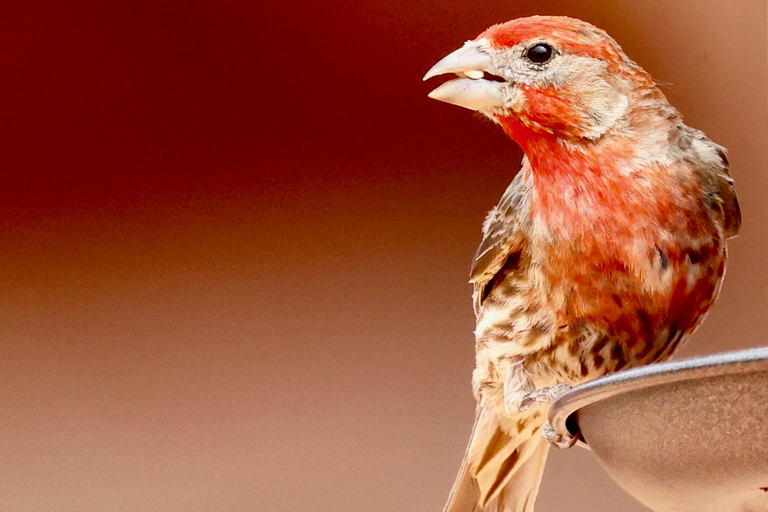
235, 238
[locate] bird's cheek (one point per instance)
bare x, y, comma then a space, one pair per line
550, 110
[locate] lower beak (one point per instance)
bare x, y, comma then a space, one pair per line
472, 94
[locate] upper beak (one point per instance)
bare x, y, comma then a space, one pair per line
469, 91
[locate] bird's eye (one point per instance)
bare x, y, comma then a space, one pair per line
539, 53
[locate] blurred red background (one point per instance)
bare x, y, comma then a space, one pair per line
235, 240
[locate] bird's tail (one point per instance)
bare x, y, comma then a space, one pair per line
502, 470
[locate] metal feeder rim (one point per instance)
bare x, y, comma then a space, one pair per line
727, 363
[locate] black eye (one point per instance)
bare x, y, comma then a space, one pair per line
539, 53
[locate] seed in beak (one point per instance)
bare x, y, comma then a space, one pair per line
474, 74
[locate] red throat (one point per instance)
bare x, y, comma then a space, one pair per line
577, 185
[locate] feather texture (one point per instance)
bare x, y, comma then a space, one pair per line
501, 471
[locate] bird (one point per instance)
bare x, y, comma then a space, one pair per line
604, 253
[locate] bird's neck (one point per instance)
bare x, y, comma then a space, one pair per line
557, 162
581, 190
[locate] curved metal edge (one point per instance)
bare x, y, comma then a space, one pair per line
655, 374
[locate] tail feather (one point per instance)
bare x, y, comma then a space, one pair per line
500, 472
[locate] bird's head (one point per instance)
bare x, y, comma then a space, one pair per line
543, 76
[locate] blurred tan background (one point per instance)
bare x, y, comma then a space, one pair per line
235, 238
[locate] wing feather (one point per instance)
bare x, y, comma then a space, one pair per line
727, 195
504, 234
712, 164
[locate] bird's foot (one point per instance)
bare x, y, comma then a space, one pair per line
545, 395
561, 441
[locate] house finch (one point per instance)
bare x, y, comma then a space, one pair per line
606, 250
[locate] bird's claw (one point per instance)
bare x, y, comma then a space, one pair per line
545, 395
560, 441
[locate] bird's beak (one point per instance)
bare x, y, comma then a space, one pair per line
470, 90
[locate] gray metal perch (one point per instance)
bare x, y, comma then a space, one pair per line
685, 436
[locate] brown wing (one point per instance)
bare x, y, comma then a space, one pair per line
720, 196
727, 195
503, 235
